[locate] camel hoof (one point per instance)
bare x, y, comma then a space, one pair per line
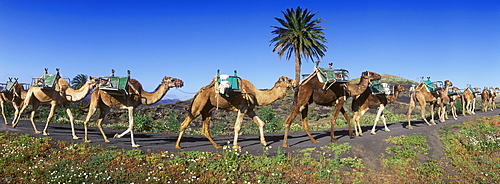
410, 127
106, 140
136, 146
387, 130
285, 146
178, 147
314, 141
76, 137
89, 141
264, 143
45, 133
333, 140
217, 147
38, 132
373, 133
116, 136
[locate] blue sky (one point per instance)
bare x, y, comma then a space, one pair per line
446, 40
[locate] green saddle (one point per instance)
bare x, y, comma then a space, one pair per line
328, 75
381, 88
114, 85
433, 86
6, 87
46, 81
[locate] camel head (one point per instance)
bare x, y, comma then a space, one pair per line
172, 82
371, 76
93, 81
448, 83
454, 89
398, 87
290, 83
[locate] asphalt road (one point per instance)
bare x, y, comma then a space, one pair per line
156, 142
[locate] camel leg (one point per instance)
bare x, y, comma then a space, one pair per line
432, 114
338, 108
357, 125
464, 105
183, 127
260, 123
472, 111
130, 127
385, 122
355, 120
411, 106
380, 113
288, 122
3, 113
51, 115
454, 111
92, 109
305, 124
422, 111
348, 120
72, 121
237, 128
205, 130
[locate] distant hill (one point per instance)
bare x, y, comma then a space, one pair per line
167, 101
391, 79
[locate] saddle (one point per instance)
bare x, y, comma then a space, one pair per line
432, 86
328, 76
114, 85
378, 88
226, 84
6, 87
46, 81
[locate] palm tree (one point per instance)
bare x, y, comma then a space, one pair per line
300, 35
78, 81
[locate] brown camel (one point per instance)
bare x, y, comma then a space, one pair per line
367, 100
469, 100
207, 99
15, 95
494, 97
485, 98
60, 94
444, 100
133, 96
312, 90
454, 95
423, 95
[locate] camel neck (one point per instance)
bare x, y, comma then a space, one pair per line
153, 97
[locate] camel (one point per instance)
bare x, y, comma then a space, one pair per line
422, 95
485, 98
444, 100
312, 90
494, 97
367, 100
454, 96
208, 98
16, 96
469, 100
133, 96
60, 94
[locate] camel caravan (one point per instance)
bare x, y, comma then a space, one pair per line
323, 86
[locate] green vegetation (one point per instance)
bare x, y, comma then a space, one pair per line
27, 159
474, 149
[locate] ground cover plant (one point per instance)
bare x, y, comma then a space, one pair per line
474, 148
43, 160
